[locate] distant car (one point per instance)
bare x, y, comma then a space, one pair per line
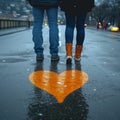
113, 28
99, 26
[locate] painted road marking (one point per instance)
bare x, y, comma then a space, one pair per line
59, 85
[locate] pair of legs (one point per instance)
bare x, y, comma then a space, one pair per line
72, 22
38, 14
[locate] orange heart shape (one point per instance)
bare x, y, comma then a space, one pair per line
59, 85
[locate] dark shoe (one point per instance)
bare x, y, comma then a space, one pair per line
55, 58
39, 57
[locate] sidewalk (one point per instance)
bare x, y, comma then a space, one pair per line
12, 30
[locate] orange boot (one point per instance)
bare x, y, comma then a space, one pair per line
68, 52
78, 52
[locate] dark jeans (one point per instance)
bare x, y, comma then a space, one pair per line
52, 14
72, 22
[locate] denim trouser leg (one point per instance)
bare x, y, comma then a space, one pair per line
37, 30
71, 23
52, 14
80, 21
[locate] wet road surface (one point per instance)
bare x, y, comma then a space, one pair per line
98, 99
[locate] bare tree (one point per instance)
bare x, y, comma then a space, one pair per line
107, 11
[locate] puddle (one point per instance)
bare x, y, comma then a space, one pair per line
12, 60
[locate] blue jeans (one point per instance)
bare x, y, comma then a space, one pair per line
72, 22
38, 15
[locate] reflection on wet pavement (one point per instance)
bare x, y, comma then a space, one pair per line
58, 85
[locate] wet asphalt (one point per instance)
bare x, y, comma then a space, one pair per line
98, 99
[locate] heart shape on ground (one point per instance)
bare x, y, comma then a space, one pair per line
59, 85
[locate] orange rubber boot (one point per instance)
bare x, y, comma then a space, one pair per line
78, 52
68, 52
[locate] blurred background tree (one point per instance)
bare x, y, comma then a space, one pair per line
107, 11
